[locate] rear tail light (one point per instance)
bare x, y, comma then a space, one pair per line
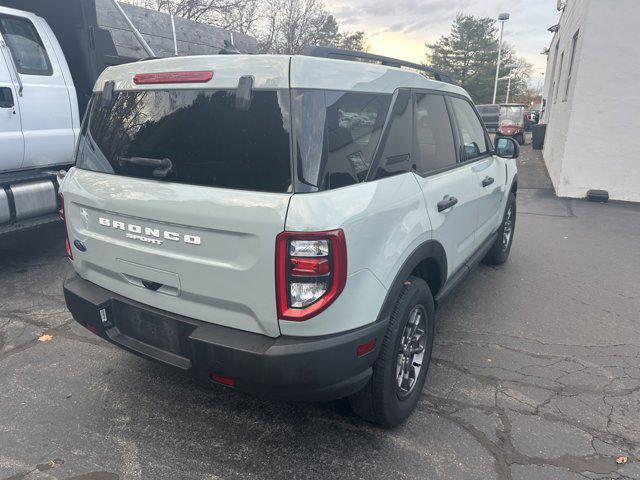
311, 271
172, 77
66, 231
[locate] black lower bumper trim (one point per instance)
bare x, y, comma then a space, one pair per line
293, 368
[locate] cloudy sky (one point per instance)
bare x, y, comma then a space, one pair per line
400, 28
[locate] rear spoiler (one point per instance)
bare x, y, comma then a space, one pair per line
341, 54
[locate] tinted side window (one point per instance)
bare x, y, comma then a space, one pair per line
397, 144
25, 46
473, 139
435, 148
336, 135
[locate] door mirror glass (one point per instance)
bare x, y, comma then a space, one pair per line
507, 147
6, 98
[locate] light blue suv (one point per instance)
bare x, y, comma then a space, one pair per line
283, 225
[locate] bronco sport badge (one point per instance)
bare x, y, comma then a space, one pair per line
154, 236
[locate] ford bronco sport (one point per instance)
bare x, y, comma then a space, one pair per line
282, 225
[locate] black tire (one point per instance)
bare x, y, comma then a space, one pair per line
382, 401
500, 249
521, 139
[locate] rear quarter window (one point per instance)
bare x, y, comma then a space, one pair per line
395, 156
336, 136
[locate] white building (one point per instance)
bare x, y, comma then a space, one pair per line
592, 94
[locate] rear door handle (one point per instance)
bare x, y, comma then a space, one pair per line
487, 181
447, 202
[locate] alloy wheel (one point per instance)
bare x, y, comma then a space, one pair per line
411, 352
507, 228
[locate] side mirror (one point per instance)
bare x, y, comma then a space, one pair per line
507, 147
6, 98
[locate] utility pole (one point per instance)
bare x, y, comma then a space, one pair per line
503, 17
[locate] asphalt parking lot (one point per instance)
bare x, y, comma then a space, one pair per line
536, 375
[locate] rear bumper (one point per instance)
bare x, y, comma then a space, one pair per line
291, 368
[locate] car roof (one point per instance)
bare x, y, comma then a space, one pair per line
277, 72
334, 74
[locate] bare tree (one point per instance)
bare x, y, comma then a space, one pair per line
289, 26
281, 26
298, 24
244, 18
222, 13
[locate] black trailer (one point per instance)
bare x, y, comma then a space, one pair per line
95, 34
490, 115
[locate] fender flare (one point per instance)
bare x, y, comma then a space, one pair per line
514, 181
431, 249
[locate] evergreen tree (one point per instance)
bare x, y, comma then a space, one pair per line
469, 54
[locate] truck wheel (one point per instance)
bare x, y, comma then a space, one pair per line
401, 368
521, 139
502, 246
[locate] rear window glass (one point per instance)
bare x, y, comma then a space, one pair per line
336, 135
199, 137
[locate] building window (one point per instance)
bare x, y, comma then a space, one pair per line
571, 60
553, 73
555, 95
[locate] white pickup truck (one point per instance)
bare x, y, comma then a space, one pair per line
51, 53
39, 119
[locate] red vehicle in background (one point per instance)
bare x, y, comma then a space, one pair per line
511, 122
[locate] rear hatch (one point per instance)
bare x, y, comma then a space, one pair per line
180, 189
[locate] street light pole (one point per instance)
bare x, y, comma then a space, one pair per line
503, 17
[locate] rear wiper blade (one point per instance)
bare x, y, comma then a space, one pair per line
163, 166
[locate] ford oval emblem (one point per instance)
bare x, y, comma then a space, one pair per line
79, 245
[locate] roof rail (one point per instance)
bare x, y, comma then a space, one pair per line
341, 54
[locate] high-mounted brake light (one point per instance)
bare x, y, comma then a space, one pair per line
66, 231
173, 77
311, 271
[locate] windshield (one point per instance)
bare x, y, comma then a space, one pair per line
511, 115
199, 137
